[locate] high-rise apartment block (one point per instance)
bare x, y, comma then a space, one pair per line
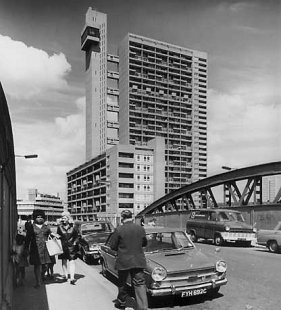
151, 89
163, 92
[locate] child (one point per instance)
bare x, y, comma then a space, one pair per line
50, 267
19, 259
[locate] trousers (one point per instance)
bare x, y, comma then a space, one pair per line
138, 282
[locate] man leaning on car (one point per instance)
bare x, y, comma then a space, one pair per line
128, 240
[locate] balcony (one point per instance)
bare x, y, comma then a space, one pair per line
113, 75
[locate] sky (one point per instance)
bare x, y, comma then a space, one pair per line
42, 71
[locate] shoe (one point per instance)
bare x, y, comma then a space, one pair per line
72, 282
120, 305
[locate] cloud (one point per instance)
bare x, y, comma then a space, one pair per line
27, 71
241, 6
241, 132
60, 147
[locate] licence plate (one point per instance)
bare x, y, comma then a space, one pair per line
199, 291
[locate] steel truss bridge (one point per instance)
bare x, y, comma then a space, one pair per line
239, 187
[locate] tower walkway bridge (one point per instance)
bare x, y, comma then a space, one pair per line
241, 189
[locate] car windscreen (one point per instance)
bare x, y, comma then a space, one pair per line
167, 241
96, 238
90, 228
233, 216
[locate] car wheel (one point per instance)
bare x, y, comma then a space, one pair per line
104, 271
214, 291
218, 240
273, 246
193, 236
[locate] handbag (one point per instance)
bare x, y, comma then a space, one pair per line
54, 246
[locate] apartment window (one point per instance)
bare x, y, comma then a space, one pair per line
138, 157
126, 155
138, 188
138, 167
126, 185
126, 205
125, 165
126, 195
126, 175
138, 177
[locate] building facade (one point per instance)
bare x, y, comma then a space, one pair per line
52, 206
163, 93
271, 185
125, 176
151, 89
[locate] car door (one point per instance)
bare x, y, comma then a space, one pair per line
209, 229
109, 256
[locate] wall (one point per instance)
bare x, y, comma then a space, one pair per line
8, 206
262, 216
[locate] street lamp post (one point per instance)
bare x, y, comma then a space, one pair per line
2, 166
28, 156
227, 168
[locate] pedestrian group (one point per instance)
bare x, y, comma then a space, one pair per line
128, 240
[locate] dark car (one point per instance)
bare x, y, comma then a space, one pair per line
271, 238
220, 225
91, 236
174, 265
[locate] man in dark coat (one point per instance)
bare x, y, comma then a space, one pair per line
128, 240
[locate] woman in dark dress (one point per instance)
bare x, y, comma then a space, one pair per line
35, 244
69, 239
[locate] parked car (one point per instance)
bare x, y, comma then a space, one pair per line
220, 225
270, 238
174, 265
91, 236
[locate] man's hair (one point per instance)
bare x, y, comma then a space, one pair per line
126, 214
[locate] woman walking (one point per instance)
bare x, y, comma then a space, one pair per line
35, 244
69, 239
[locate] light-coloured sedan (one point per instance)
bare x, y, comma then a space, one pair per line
174, 265
271, 238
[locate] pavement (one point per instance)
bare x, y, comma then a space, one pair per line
91, 291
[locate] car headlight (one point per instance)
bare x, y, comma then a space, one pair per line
158, 274
254, 230
221, 266
227, 228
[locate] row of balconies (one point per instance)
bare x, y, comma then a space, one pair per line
161, 108
138, 49
161, 62
173, 96
180, 104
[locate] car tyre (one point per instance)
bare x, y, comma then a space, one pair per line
273, 246
193, 236
214, 291
218, 240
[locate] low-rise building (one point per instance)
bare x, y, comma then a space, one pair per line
125, 176
52, 205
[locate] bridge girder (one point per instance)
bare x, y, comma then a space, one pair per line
182, 198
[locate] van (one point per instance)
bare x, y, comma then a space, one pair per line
220, 225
